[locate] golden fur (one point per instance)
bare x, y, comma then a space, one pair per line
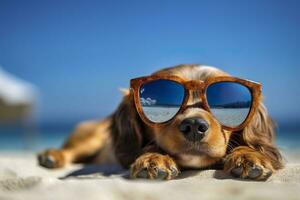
162, 152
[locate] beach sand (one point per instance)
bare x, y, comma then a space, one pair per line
22, 178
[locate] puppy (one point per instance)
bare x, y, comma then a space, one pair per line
162, 151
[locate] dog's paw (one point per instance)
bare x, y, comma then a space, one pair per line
51, 158
154, 166
247, 163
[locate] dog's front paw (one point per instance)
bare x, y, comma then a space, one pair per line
51, 158
247, 163
154, 166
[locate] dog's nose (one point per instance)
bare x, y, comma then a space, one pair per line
194, 129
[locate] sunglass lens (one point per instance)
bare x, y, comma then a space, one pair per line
229, 102
161, 99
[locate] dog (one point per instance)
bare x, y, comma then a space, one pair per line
162, 152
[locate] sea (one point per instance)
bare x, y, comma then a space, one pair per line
39, 138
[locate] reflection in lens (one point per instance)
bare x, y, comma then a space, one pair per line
229, 102
161, 99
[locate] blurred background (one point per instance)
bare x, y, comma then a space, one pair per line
62, 62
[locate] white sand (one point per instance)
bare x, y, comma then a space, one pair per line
21, 178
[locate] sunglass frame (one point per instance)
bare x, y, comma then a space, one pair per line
196, 85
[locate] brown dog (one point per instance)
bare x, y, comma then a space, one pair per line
160, 152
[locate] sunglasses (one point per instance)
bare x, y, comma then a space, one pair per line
232, 101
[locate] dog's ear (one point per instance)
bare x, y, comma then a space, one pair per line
259, 134
127, 130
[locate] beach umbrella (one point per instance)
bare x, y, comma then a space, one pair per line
17, 102
17, 98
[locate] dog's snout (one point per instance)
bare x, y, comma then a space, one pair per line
194, 129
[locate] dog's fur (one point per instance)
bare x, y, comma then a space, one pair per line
162, 152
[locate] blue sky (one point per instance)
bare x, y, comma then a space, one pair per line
162, 92
78, 53
227, 93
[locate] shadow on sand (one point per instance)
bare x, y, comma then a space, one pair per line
98, 171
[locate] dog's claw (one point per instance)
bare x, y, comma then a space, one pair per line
161, 174
49, 162
246, 163
237, 171
255, 172
142, 174
154, 166
46, 161
268, 174
51, 159
174, 172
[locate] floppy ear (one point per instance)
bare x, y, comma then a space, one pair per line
127, 129
259, 134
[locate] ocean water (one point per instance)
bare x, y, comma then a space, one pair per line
16, 139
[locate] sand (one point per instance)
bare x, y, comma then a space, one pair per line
228, 116
21, 178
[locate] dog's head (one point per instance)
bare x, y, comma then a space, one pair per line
207, 150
